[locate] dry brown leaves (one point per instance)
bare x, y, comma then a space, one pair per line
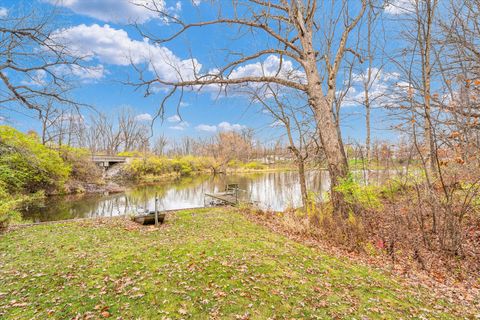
456, 292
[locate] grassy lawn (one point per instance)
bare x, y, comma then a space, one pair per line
201, 264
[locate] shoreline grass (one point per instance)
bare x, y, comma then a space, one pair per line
206, 263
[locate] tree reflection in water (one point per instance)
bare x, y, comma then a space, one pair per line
272, 190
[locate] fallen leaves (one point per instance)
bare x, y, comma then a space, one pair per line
105, 314
214, 265
182, 311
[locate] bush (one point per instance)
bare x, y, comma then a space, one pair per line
234, 164
151, 165
130, 154
10, 204
28, 169
184, 166
27, 166
254, 165
356, 194
158, 166
82, 168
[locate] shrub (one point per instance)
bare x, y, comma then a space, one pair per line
82, 168
157, 166
10, 204
131, 154
185, 166
152, 165
234, 164
355, 194
28, 169
254, 165
27, 166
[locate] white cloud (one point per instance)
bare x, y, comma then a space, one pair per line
206, 128
118, 11
144, 117
114, 46
37, 78
222, 126
83, 73
271, 66
109, 45
276, 124
398, 7
3, 12
2, 119
196, 2
180, 126
226, 126
178, 6
381, 92
174, 118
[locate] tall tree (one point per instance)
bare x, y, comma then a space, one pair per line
425, 11
312, 34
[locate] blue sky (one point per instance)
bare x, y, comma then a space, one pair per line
102, 30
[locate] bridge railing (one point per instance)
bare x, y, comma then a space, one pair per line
109, 159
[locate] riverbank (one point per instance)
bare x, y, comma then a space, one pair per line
199, 264
171, 176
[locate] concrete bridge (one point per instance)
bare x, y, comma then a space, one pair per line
107, 161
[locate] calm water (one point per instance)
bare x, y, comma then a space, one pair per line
274, 190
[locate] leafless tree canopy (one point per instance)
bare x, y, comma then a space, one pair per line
310, 36
35, 68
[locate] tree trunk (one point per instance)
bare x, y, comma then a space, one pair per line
303, 183
329, 132
301, 170
425, 32
333, 147
368, 140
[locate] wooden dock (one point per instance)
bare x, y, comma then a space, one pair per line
224, 197
229, 197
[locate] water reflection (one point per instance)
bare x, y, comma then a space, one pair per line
273, 190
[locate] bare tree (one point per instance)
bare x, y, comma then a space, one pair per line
33, 64
131, 131
159, 145
292, 30
371, 76
105, 137
110, 135
296, 120
47, 122
425, 14
417, 64
459, 67
364, 83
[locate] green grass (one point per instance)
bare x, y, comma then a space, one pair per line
201, 264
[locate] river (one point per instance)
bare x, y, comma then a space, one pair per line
269, 190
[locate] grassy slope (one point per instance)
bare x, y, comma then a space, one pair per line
200, 264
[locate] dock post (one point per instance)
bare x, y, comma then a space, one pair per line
156, 209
